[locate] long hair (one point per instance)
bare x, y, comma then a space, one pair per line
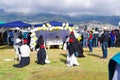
40, 41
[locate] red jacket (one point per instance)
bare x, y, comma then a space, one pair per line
90, 37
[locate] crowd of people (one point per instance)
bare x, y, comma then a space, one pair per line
74, 45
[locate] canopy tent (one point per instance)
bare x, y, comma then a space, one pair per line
55, 23
2, 22
38, 25
48, 24
71, 25
14, 24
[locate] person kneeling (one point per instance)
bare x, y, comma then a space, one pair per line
25, 55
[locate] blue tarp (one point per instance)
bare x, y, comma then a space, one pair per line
52, 23
38, 25
19, 24
55, 23
71, 25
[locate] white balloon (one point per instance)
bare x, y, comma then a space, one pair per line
67, 24
49, 26
43, 25
63, 24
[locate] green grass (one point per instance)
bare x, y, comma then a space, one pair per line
92, 67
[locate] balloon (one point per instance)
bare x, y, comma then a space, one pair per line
67, 24
63, 24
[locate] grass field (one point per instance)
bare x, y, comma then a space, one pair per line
92, 67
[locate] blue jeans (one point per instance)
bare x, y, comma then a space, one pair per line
111, 43
90, 46
95, 42
84, 42
76, 54
104, 49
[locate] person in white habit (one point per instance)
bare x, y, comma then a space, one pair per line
17, 45
25, 55
71, 58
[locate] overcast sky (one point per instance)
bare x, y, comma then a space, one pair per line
65, 7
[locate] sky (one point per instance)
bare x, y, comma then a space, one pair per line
64, 7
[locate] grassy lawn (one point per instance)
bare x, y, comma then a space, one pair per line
92, 67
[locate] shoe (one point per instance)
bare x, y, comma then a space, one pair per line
104, 58
75, 64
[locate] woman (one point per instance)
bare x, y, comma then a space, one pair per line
71, 47
41, 54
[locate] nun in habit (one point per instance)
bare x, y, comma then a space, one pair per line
71, 50
114, 67
25, 55
16, 46
42, 57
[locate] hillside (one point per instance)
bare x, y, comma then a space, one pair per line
42, 17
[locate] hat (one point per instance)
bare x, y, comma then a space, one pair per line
25, 41
18, 40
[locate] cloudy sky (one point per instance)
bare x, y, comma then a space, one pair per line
65, 7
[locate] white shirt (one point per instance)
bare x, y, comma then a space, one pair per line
25, 50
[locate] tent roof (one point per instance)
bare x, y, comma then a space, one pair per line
2, 22
55, 23
19, 24
38, 25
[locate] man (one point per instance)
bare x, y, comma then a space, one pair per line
104, 41
85, 35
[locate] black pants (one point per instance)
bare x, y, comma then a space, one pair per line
24, 62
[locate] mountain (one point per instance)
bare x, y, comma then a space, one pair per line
45, 17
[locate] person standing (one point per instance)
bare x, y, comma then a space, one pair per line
112, 38
90, 41
104, 42
25, 55
95, 38
71, 47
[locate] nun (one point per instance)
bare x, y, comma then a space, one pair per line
16, 46
42, 57
71, 50
25, 55
114, 67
